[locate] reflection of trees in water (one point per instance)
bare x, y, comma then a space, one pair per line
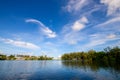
80, 64
108, 60
94, 66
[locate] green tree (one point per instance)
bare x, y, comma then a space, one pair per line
3, 57
11, 57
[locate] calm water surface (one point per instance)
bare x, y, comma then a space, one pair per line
56, 70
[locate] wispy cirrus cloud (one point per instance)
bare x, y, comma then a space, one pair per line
46, 31
101, 38
72, 32
113, 6
76, 32
75, 5
111, 36
105, 32
109, 26
22, 44
110, 21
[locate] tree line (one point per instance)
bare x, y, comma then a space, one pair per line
24, 57
108, 55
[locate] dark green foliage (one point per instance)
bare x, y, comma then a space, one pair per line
44, 58
3, 57
11, 57
38, 58
24, 57
108, 56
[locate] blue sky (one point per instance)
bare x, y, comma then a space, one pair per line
55, 27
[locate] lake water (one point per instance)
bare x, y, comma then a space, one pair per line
56, 70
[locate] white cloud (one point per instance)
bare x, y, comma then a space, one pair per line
72, 37
72, 32
35, 21
46, 31
79, 24
110, 26
75, 5
113, 6
99, 39
49, 33
84, 20
117, 19
20, 43
104, 32
95, 43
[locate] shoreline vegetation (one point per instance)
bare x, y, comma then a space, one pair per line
24, 57
107, 56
